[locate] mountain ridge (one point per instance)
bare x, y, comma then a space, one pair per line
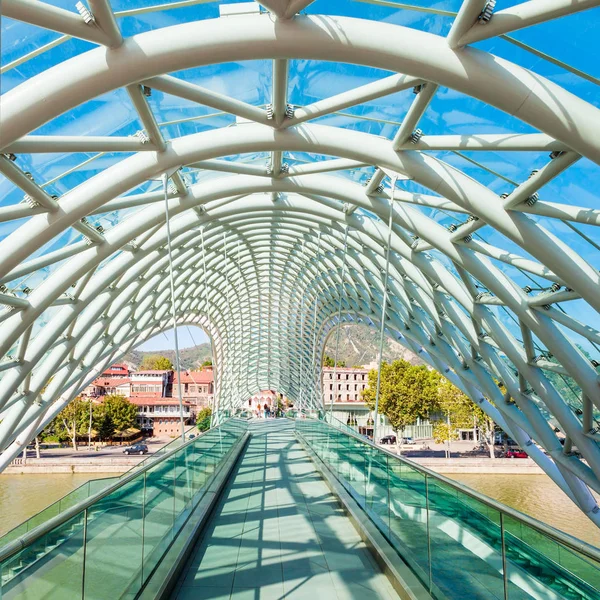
359, 345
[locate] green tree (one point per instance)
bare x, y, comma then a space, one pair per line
329, 362
207, 363
407, 393
203, 420
71, 421
458, 411
102, 423
461, 412
487, 428
121, 411
156, 362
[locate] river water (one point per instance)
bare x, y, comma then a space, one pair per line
24, 495
535, 495
21, 496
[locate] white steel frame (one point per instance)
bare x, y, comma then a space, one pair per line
258, 254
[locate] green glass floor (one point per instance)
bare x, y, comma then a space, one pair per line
279, 533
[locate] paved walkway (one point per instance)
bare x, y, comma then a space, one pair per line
279, 533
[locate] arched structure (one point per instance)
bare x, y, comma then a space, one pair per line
269, 255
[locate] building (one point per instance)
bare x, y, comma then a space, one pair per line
117, 371
348, 384
114, 380
343, 386
161, 416
197, 388
258, 400
151, 384
345, 391
155, 395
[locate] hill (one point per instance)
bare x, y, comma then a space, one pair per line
359, 345
191, 358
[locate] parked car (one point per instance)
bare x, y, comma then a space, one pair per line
515, 454
191, 436
408, 440
136, 449
388, 439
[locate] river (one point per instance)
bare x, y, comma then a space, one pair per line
24, 495
21, 496
539, 497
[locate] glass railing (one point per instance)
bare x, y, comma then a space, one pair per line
80, 493
459, 543
108, 545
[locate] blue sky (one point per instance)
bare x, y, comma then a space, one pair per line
187, 336
450, 112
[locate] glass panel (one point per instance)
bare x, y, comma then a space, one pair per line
158, 515
71, 499
126, 533
377, 486
408, 517
466, 548
535, 560
451, 539
113, 558
49, 568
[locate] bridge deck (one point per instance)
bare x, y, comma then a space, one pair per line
279, 533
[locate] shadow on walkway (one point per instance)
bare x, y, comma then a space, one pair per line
279, 533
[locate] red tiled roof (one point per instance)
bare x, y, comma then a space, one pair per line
115, 367
111, 381
347, 369
157, 401
204, 376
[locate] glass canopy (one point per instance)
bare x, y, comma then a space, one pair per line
267, 157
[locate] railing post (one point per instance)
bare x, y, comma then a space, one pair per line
174, 486
428, 533
85, 519
389, 497
504, 563
143, 524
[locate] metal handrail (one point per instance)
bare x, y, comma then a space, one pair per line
136, 467
29, 537
571, 542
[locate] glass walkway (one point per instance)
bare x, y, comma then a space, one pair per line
279, 532
290, 508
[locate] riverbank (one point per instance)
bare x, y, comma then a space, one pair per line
484, 466
105, 459
93, 465
112, 460
108, 464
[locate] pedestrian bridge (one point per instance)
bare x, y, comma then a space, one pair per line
268, 173
288, 508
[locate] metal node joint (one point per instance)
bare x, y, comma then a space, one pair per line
415, 136
487, 12
85, 13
